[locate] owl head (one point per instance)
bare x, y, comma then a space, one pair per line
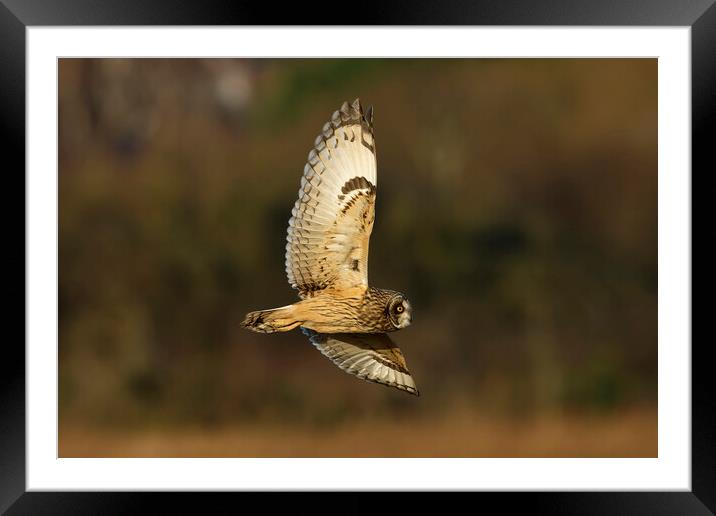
400, 311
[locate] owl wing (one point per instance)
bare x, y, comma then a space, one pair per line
370, 356
331, 222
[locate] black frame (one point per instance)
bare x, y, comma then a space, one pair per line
16, 15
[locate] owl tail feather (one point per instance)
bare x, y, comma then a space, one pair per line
270, 321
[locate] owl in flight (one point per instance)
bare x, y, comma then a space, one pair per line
327, 258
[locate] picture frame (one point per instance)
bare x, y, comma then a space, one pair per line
16, 16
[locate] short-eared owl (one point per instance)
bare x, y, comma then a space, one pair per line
327, 258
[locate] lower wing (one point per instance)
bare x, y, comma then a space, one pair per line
369, 356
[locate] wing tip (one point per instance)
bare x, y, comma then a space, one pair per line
364, 115
352, 112
408, 389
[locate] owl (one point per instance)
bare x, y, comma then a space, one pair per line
327, 258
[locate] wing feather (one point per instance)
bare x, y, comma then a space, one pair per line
370, 356
330, 225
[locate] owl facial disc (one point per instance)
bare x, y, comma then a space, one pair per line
400, 312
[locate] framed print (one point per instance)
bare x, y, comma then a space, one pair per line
526, 325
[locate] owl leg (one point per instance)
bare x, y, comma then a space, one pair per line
270, 321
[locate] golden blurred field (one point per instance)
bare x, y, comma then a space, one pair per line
630, 433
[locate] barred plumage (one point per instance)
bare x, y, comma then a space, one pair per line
326, 247
327, 257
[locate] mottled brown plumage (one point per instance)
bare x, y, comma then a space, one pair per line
327, 258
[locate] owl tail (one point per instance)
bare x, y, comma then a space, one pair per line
270, 321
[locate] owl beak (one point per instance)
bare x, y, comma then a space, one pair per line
408, 319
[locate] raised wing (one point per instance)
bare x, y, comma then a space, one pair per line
331, 222
370, 356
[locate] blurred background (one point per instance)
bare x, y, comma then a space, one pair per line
517, 209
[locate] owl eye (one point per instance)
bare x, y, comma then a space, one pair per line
400, 309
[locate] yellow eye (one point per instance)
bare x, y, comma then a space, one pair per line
400, 309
